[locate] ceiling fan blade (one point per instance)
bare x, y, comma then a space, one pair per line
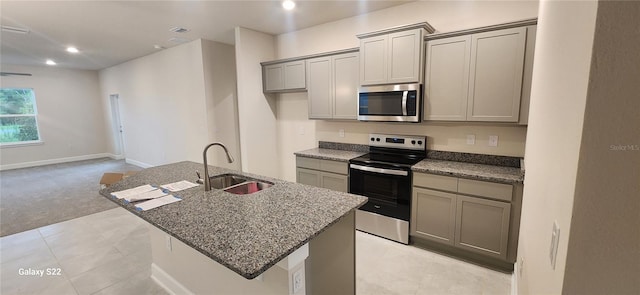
14, 74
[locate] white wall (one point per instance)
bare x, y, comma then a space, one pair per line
444, 16
221, 101
558, 98
164, 103
256, 111
70, 116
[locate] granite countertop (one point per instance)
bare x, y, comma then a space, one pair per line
493, 173
246, 233
330, 154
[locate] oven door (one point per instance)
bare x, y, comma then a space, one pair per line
388, 190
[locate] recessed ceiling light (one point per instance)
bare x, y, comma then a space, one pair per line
159, 47
72, 49
178, 40
288, 4
51, 62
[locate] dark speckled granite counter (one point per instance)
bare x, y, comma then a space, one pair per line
330, 154
469, 170
246, 233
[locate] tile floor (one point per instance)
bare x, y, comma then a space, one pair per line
109, 253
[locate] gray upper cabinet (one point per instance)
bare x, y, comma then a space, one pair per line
283, 77
393, 56
333, 86
495, 77
447, 79
527, 74
479, 77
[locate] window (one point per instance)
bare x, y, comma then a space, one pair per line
18, 122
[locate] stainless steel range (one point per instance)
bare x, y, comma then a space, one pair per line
384, 175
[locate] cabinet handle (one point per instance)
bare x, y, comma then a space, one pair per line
404, 102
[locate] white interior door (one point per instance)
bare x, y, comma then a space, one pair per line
117, 125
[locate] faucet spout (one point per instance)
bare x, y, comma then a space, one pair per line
207, 182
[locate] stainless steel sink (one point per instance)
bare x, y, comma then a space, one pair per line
226, 180
238, 184
248, 187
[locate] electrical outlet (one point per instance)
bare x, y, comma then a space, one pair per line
553, 249
520, 267
298, 278
167, 240
471, 139
301, 130
341, 132
493, 140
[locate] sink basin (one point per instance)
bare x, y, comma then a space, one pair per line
248, 187
226, 180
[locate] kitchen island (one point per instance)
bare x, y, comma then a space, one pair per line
218, 242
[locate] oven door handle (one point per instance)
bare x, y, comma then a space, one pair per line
379, 170
404, 102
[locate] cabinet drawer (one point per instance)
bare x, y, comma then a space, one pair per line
334, 166
440, 182
308, 163
491, 190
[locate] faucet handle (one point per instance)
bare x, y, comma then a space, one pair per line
200, 180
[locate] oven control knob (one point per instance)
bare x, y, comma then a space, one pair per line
372, 139
419, 141
413, 142
378, 139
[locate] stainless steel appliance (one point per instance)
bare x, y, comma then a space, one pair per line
384, 176
390, 103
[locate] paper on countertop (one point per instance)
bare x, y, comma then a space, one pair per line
178, 186
168, 199
154, 194
133, 191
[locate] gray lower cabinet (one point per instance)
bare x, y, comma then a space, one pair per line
477, 216
323, 173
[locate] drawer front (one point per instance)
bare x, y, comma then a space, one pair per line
309, 163
492, 190
439, 182
334, 166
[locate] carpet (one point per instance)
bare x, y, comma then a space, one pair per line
38, 196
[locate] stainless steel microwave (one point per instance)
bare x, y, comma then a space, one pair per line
390, 103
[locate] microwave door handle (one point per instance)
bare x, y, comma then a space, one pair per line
404, 102
379, 170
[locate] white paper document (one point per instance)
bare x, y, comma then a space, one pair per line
154, 194
155, 203
178, 186
133, 191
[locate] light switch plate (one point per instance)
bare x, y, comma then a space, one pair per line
471, 139
493, 140
298, 276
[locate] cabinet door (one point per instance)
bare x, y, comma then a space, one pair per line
345, 86
447, 79
495, 82
336, 182
308, 177
373, 60
294, 75
482, 226
527, 75
433, 215
273, 77
405, 56
319, 88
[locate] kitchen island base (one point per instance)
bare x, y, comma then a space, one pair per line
325, 265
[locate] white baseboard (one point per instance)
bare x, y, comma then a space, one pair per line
54, 161
167, 282
116, 157
138, 163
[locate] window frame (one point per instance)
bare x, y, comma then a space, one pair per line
35, 117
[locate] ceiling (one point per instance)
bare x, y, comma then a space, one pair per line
111, 32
